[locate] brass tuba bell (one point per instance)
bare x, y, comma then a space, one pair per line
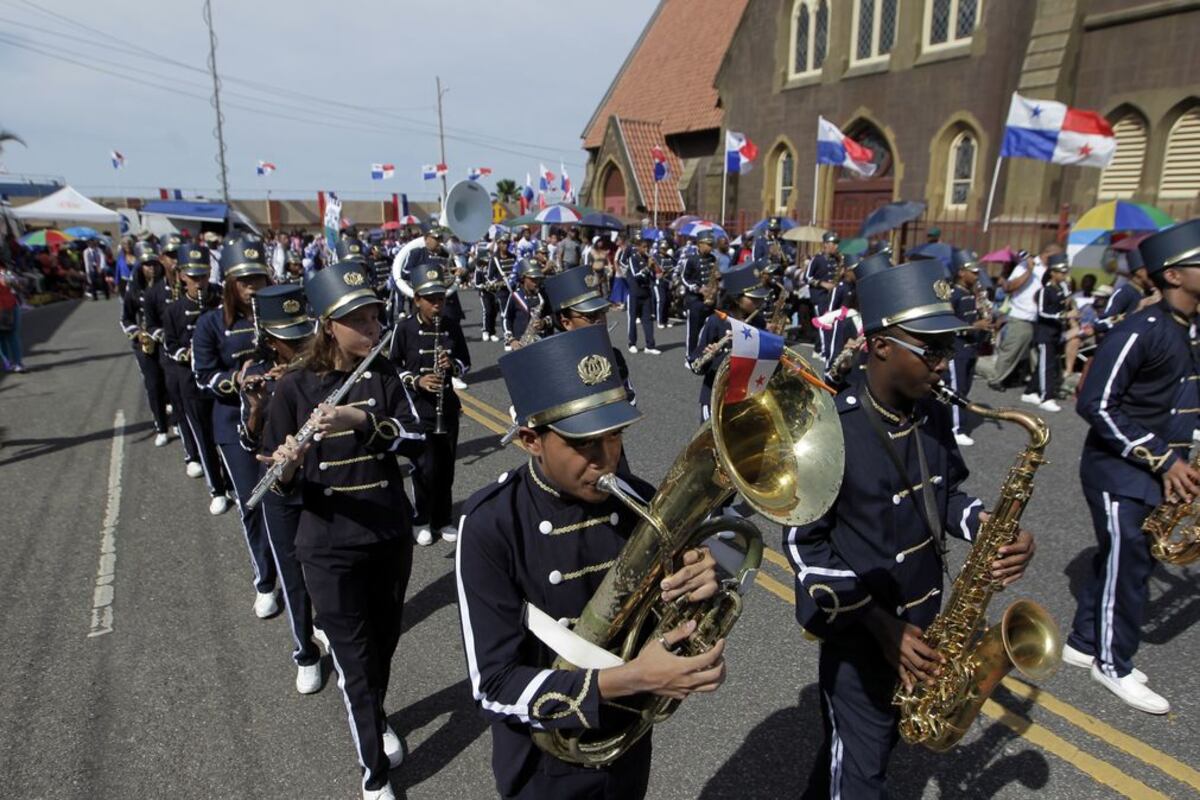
782, 449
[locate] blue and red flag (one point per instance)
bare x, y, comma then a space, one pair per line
837, 149
660, 162
739, 152
752, 360
1054, 132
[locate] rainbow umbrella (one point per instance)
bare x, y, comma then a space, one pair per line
1092, 233
46, 238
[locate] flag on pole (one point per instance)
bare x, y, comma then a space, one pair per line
1048, 131
429, 172
752, 360
441, 169
264, 168
839, 150
739, 152
383, 172
564, 181
545, 178
118, 160
333, 220
660, 162
475, 173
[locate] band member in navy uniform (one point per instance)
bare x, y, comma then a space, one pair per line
223, 342
961, 374
195, 410
1135, 455
284, 329
697, 303
663, 274
869, 572
355, 533
158, 301
841, 301
852, 372
771, 248
413, 352
576, 301
525, 305
742, 297
640, 305
544, 535
490, 282
1054, 309
821, 278
1130, 295
134, 322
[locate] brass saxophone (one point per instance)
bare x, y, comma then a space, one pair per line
711, 290
779, 316
978, 656
146, 340
749, 447
533, 331
1173, 529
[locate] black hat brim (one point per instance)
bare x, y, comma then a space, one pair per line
939, 323
597, 421
589, 305
196, 271
430, 289
300, 330
760, 292
356, 303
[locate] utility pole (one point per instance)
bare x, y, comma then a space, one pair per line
441, 135
219, 131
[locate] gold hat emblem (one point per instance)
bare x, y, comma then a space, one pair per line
590, 281
291, 306
594, 369
355, 248
431, 275
353, 278
195, 254
251, 253
941, 288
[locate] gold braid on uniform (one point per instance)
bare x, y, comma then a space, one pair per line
540, 483
573, 703
578, 526
385, 428
1154, 462
837, 603
883, 412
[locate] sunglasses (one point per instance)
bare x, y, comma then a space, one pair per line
590, 316
932, 356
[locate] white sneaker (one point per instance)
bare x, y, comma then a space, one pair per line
963, 440
385, 793
266, 605
1049, 405
1078, 658
160, 440
171, 410
449, 533
654, 351
320, 637
424, 537
174, 428
392, 748
458, 383
483, 337
660, 326
194, 470
633, 349
1031, 398
308, 678
1132, 693
218, 505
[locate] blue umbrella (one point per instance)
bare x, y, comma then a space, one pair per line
700, 226
939, 250
84, 232
598, 219
785, 224
893, 215
652, 234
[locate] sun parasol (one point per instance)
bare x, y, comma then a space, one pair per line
1093, 233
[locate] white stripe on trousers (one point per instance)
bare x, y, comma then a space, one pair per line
955, 414
1112, 509
835, 754
241, 519
293, 623
208, 472
350, 715
1042, 372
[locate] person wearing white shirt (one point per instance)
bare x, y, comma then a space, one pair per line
279, 258
1022, 289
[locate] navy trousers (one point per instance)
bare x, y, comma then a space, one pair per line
433, 476
1045, 379
640, 306
281, 521
490, 308
662, 300
627, 778
960, 376
358, 593
696, 313
856, 683
156, 388
175, 376
1108, 620
196, 418
242, 468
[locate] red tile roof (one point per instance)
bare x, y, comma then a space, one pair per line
668, 78
639, 138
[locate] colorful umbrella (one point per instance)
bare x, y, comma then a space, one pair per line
785, 224
684, 220
598, 219
652, 234
46, 238
1005, 255
1092, 233
84, 232
701, 226
406, 220
557, 215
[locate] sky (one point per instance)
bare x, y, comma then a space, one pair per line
322, 90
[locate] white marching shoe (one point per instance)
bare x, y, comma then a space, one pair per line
1078, 658
424, 536
449, 533
320, 638
308, 678
266, 604
218, 505
654, 351
963, 440
1031, 398
160, 440
392, 748
458, 383
633, 349
1132, 693
194, 470
385, 793
1049, 405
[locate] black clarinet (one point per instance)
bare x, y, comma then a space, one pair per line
439, 425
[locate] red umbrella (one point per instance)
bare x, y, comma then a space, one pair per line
1004, 255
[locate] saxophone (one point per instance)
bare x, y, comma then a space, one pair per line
533, 331
1173, 529
779, 316
978, 656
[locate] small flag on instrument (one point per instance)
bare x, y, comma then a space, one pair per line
264, 168
752, 360
475, 173
382, 172
118, 160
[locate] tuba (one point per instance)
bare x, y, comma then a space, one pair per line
782, 449
978, 657
1174, 529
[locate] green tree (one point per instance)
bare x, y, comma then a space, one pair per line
506, 190
8, 136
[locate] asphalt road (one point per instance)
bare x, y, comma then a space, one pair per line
184, 693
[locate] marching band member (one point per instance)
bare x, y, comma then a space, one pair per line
294, 267
354, 537
1053, 311
961, 373
543, 535
640, 306
223, 341
284, 328
147, 275
159, 301
490, 281
524, 303
414, 254
819, 276
695, 273
196, 408
1128, 296
742, 294
1131, 463
837, 325
869, 572
662, 283
576, 302
428, 382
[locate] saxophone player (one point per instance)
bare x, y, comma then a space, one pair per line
525, 307
869, 572
742, 297
1134, 457
543, 536
963, 298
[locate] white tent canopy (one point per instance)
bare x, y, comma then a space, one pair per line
67, 205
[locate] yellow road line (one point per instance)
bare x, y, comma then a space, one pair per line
482, 420
1106, 733
776, 559
775, 587
1099, 770
480, 405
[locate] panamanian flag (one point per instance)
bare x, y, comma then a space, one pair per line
382, 172
837, 149
739, 152
475, 173
1054, 132
660, 162
429, 172
752, 360
264, 168
118, 160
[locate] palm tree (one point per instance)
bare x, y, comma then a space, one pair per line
506, 190
9, 136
